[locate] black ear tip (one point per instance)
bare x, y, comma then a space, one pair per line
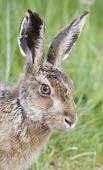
84, 13
33, 14
29, 11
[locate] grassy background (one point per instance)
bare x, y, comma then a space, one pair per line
81, 148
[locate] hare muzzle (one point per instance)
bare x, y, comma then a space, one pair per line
70, 118
71, 115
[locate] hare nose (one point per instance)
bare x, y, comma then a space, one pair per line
68, 122
70, 118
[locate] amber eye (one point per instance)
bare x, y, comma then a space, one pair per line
45, 89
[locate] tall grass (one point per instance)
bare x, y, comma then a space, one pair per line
81, 148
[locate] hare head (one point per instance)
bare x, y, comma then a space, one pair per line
46, 93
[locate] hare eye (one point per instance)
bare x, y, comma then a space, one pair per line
45, 89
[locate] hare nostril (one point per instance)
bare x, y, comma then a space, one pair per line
68, 122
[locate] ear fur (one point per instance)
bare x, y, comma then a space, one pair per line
31, 38
65, 40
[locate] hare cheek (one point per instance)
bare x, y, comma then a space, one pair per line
57, 107
35, 115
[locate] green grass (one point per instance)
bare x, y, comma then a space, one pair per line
82, 147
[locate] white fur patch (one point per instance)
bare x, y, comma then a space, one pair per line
34, 114
57, 107
19, 43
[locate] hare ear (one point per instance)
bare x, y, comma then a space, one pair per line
64, 40
31, 39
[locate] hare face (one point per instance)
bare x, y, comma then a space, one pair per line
46, 93
49, 99
61, 115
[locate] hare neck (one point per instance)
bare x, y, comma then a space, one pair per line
32, 139
37, 132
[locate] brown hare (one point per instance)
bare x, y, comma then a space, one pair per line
42, 101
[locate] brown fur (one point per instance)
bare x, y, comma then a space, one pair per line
28, 117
